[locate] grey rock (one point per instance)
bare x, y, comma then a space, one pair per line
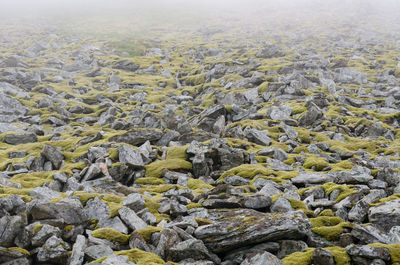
192, 248
311, 178
69, 210
257, 136
138, 137
368, 252
44, 193
45, 233
77, 255
10, 227
23, 138
96, 209
98, 251
134, 201
131, 219
322, 257
235, 228
261, 258
54, 250
236, 180
117, 260
130, 156
386, 215
10, 106
281, 205
52, 154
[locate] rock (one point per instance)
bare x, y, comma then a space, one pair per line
44, 193
138, 137
10, 227
96, 209
281, 205
368, 252
257, 136
52, 154
117, 260
98, 251
54, 250
386, 215
249, 227
46, 231
261, 258
323, 257
134, 201
350, 76
24, 138
131, 219
129, 156
10, 106
68, 210
192, 248
311, 178
78, 254
313, 114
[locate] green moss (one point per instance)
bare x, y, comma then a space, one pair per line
37, 228
247, 171
203, 221
33, 180
148, 231
150, 181
155, 169
318, 163
177, 152
300, 205
195, 79
329, 227
195, 184
68, 228
141, 257
389, 198
327, 212
19, 250
304, 135
340, 255
299, 258
111, 235
346, 190
192, 205
394, 250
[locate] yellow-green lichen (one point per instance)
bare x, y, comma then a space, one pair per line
111, 235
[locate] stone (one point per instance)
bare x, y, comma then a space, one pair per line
77, 255
53, 155
368, 252
322, 257
235, 228
138, 137
22, 138
131, 219
134, 201
10, 227
192, 248
261, 258
131, 157
386, 215
68, 210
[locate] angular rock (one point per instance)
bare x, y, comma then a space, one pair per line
235, 228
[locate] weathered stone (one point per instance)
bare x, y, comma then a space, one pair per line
235, 228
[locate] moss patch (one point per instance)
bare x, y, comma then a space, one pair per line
111, 235
155, 169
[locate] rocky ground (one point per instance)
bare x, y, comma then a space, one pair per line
264, 147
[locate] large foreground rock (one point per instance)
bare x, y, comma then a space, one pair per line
386, 215
235, 228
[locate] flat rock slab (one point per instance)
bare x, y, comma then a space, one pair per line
235, 228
